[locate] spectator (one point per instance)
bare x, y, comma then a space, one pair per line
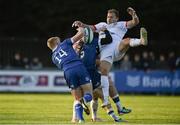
0, 66
36, 64
152, 60
172, 61
126, 63
17, 61
26, 63
145, 61
162, 63
137, 62
178, 63
1, 61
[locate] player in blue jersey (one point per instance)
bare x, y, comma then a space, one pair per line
88, 55
76, 75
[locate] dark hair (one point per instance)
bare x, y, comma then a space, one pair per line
114, 11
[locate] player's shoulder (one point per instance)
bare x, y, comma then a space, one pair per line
121, 22
67, 41
101, 23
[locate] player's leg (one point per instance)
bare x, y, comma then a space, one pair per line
73, 76
115, 97
82, 99
96, 83
108, 108
105, 67
133, 42
77, 106
87, 97
86, 86
74, 115
94, 106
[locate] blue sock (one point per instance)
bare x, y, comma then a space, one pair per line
87, 97
79, 111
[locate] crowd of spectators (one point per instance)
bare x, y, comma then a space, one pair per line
22, 62
139, 61
149, 61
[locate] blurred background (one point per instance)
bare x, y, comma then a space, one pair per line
26, 25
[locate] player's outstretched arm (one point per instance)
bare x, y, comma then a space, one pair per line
81, 24
135, 18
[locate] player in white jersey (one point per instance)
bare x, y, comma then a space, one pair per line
117, 46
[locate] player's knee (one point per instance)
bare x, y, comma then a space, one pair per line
105, 66
126, 41
124, 45
77, 102
87, 97
104, 71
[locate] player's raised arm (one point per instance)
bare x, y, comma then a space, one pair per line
79, 35
135, 18
81, 24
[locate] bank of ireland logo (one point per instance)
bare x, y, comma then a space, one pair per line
133, 81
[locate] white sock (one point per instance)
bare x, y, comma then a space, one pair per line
74, 111
94, 108
118, 105
134, 42
112, 114
117, 102
105, 88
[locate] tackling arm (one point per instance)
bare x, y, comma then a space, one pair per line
79, 35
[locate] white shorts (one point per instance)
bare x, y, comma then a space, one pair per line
110, 53
117, 54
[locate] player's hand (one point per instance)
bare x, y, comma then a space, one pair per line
131, 11
77, 24
80, 29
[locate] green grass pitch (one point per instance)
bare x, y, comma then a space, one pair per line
57, 109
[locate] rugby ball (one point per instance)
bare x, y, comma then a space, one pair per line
88, 35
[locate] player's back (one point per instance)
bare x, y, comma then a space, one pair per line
64, 56
89, 54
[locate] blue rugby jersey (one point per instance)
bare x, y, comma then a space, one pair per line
88, 54
64, 56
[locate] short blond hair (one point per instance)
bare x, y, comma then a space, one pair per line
53, 42
116, 12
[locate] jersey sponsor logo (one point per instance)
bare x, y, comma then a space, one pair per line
87, 79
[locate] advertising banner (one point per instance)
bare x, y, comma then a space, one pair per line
33, 81
148, 82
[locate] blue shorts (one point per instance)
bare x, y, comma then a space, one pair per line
95, 77
77, 76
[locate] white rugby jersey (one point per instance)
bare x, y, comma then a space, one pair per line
117, 30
